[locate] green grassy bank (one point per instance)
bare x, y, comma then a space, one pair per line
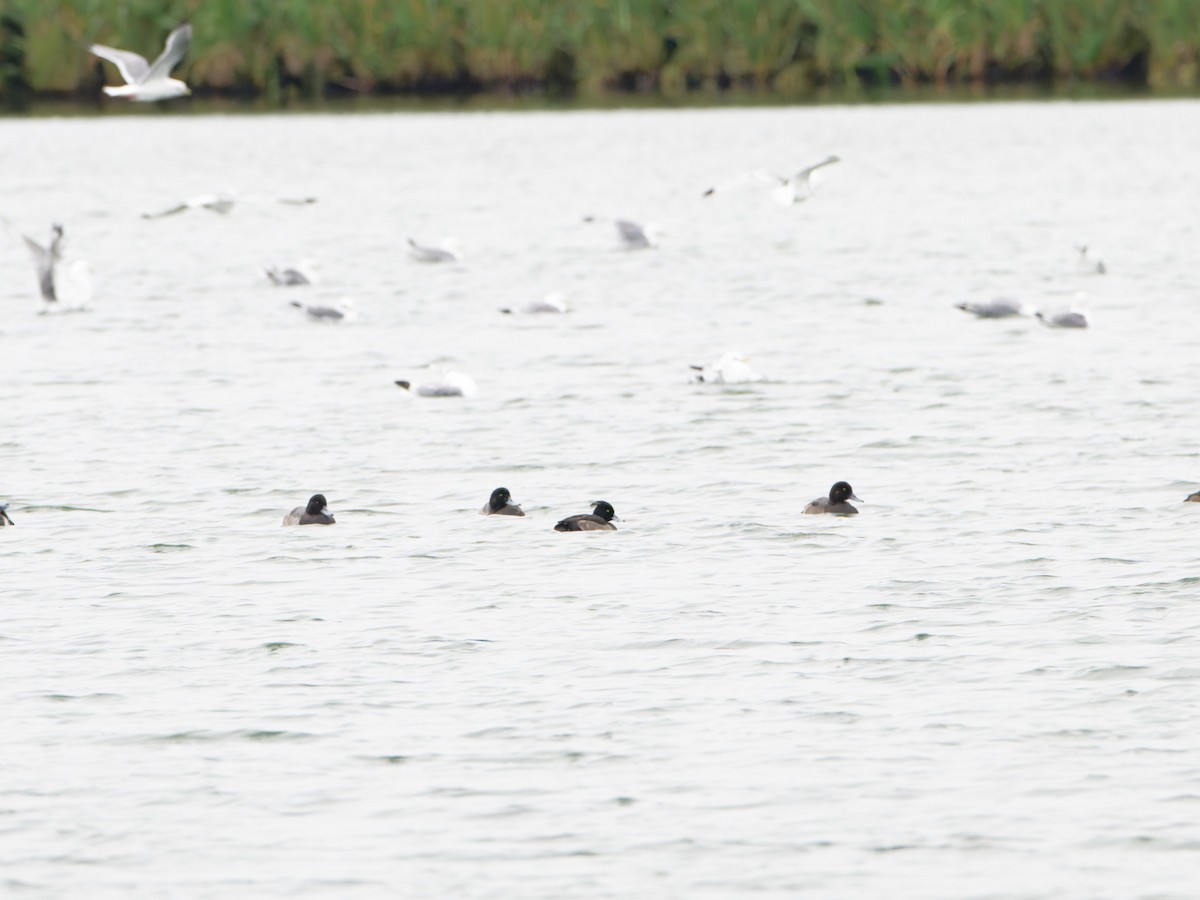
311, 48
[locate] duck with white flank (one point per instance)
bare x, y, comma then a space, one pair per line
600, 519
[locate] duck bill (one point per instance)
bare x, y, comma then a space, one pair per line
856, 497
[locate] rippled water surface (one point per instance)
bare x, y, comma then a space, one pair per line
983, 686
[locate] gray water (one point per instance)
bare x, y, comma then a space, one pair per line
983, 686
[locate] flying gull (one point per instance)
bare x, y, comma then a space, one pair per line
221, 202
1087, 265
786, 191
218, 203
147, 82
632, 235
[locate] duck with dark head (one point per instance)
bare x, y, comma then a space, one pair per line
316, 513
600, 519
835, 503
500, 504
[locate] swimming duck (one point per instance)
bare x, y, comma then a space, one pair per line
1190, 498
835, 503
316, 513
4, 519
500, 504
599, 520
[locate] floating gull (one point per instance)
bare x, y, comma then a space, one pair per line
1000, 308
304, 272
5, 520
328, 313
447, 251
786, 191
286, 277
1068, 319
1086, 265
730, 368
146, 82
450, 384
551, 303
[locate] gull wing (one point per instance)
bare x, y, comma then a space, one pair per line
43, 261
177, 46
828, 161
632, 233
169, 211
132, 66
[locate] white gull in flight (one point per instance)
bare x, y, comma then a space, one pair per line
632, 235
785, 191
1088, 265
146, 82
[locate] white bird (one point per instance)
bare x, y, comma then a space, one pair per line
785, 191
61, 290
552, 303
219, 203
303, 272
1069, 319
1086, 265
730, 368
146, 82
447, 251
631, 235
343, 309
222, 202
449, 384
1000, 308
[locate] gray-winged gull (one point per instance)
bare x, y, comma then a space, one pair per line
785, 191
146, 82
999, 308
447, 251
448, 384
342, 310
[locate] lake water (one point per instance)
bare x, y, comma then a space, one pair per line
983, 686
